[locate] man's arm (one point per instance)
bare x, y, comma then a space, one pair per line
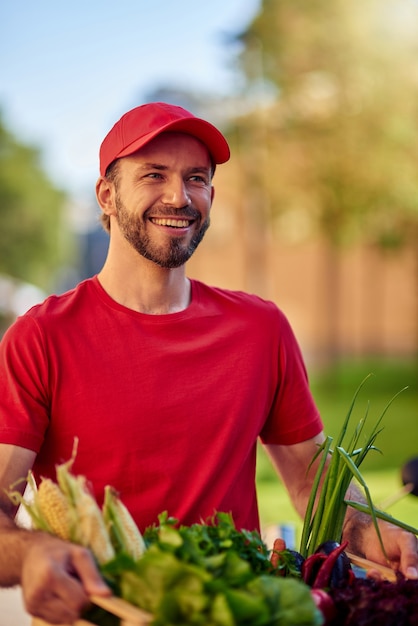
56, 577
14, 464
291, 463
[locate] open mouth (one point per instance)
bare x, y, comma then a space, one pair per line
171, 222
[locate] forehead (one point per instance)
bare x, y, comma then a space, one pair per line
171, 145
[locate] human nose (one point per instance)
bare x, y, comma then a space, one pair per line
176, 193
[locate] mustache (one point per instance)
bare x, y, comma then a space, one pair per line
188, 211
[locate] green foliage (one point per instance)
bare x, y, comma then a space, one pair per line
340, 140
31, 211
210, 574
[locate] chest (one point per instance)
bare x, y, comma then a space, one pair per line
189, 376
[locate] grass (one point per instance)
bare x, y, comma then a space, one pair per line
333, 391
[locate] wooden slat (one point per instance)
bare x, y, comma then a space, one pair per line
385, 572
37, 621
122, 609
129, 614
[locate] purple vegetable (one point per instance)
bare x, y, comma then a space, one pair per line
372, 602
340, 566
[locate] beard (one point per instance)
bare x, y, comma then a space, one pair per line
171, 255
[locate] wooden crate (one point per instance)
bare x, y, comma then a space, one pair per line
129, 614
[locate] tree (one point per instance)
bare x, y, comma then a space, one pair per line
32, 239
342, 133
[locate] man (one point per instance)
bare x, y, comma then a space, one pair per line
167, 383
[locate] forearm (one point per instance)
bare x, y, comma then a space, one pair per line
14, 542
291, 463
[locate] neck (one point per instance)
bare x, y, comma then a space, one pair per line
147, 288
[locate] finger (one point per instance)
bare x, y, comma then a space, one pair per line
375, 574
57, 593
57, 606
409, 556
55, 612
86, 570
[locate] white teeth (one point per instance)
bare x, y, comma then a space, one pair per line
170, 222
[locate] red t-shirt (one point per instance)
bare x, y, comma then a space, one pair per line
167, 408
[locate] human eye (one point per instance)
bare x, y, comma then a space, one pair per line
153, 175
200, 177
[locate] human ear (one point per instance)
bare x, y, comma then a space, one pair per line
105, 193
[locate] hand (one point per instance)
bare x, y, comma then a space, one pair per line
401, 548
57, 579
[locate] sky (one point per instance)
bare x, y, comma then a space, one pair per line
69, 70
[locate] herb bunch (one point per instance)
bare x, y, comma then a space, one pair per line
339, 465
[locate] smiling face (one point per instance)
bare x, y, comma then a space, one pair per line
162, 197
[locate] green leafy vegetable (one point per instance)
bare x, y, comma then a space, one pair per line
210, 574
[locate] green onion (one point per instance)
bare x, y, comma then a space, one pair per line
327, 505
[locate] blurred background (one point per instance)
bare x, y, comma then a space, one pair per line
317, 209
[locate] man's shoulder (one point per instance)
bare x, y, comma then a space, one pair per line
243, 300
58, 313
63, 303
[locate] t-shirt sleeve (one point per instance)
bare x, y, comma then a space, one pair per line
294, 416
24, 404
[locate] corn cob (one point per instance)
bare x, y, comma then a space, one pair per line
31, 506
91, 530
124, 532
54, 509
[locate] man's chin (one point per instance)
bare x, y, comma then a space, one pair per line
171, 261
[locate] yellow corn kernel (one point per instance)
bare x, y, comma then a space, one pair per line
124, 532
91, 529
54, 509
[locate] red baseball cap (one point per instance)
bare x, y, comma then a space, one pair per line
138, 126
